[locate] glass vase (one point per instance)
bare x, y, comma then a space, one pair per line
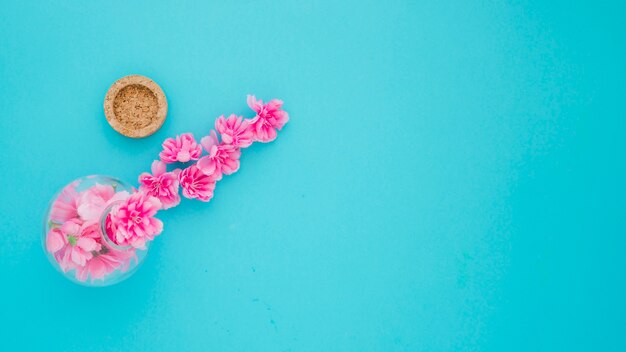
77, 236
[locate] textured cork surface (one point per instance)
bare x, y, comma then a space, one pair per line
135, 106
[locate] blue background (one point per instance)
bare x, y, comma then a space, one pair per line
452, 177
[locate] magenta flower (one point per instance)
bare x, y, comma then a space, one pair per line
133, 220
70, 245
222, 158
65, 206
183, 149
234, 130
161, 184
196, 184
269, 118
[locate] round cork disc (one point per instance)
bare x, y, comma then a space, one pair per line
135, 106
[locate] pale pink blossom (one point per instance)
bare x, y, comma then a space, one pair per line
56, 244
269, 118
133, 220
161, 184
70, 245
92, 202
222, 158
183, 148
105, 260
234, 130
65, 206
98, 267
196, 184
209, 141
102, 265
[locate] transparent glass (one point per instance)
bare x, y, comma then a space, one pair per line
77, 237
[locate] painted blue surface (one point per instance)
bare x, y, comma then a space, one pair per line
452, 177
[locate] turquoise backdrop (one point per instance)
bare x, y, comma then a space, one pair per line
453, 177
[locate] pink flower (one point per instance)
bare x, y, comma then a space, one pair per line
196, 184
183, 149
65, 206
222, 158
105, 260
57, 244
269, 118
71, 245
133, 221
234, 130
92, 202
103, 264
161, 184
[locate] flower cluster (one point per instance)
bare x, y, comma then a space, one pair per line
222, 148
76, 239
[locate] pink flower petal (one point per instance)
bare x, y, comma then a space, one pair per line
158, 168
87, 244
54, 240
209, 141
71, 227
78, 257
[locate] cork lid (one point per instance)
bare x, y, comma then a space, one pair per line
135, 106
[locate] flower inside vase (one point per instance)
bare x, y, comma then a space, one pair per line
78, 239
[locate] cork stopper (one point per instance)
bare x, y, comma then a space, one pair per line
135, 106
